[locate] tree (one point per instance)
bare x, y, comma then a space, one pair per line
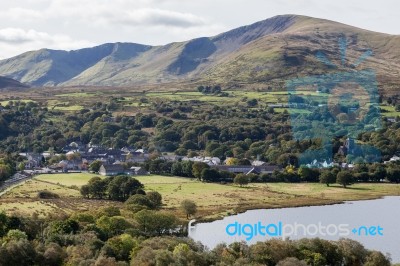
197, 168
344, 178
20, 252
232, 161
393, 174
112, 226
210, 175
95, 166
110, 211
291, 261
189, 207
308, 174
53, 255
97, 187
16, 235
327, 177
85, 191
176, 169
121, 187
216, 89
139, 202
21, 166
377, 258
118, 188
5, 171
226, 176
69, 226
154, 222
241, 180
187, 168
352, 251
3, 223
252, 102
155, 197
379, 173
122, 246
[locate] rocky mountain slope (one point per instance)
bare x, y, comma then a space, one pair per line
275, 49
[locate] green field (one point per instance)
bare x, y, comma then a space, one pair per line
234, 96
69, 108
4, 103
23, 198
78, 94
389, 111
336, 192
73, 179
213, 200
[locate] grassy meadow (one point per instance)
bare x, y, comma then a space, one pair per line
213, 200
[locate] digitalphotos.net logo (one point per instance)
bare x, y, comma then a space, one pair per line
248, 231
287, 230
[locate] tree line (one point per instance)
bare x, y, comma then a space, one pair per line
107, 237
344, 176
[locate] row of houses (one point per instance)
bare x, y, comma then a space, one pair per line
80, 156
247, 169
208, 160
117, 169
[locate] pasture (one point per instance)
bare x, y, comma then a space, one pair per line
213, 200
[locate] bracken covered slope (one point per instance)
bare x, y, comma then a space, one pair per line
272, 50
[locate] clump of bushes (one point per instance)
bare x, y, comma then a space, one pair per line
45, 194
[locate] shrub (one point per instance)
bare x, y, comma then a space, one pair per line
241, 180
45, 194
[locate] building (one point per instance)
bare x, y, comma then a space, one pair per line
138, 170
111, 169
34, 160
117, 169
171, 158
68, 165
258, 163
247, 169
208, 160
136, 157
393, 159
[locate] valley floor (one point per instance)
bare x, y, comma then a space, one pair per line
213, 200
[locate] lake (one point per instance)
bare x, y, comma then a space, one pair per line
374, 223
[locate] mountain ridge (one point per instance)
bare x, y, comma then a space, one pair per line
265, 51
8, 83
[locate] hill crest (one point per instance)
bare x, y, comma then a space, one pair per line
268, 50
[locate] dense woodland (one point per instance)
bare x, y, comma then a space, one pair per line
179, 127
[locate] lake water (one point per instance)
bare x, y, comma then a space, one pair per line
374, 223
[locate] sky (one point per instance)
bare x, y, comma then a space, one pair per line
27, 25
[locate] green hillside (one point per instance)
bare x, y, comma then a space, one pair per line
269, 51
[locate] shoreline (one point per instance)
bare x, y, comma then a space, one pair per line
243, 209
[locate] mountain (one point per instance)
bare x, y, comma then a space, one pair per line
11, 83
268, 51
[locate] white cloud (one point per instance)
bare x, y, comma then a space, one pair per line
101, 12
141, 21
14, 41
148, 16
24, 14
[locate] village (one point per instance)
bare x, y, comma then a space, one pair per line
78, 158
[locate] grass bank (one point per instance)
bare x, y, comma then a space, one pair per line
214, 201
